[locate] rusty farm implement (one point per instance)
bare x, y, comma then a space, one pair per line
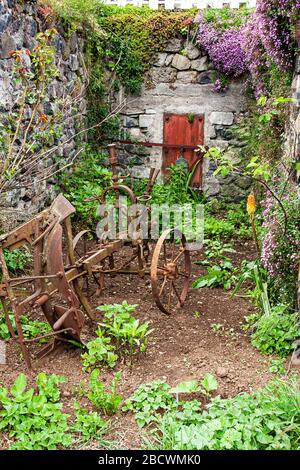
60, 262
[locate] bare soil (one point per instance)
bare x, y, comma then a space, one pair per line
182, 346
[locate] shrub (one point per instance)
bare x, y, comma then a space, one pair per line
276, 333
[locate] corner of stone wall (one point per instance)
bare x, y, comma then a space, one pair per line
19, 24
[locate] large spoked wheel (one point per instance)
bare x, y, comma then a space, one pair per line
170, 271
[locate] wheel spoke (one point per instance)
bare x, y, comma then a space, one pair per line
163, 286
165, 252
170, 295
173, 249
162, 268
178, 257
176, 292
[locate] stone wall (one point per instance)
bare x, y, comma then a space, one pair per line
183, 83
19, 24
296, 109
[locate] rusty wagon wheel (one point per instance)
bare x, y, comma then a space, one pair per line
170, 271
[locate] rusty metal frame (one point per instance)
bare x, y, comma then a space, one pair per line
57, 287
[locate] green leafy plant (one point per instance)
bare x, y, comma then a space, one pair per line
149, 400
252, 271
48, 386
107, 402
17, 260
89, 178
88, 423
209, 383
129, 334
215, 249
217, 327
277, 366
31, 420
264, 420
216, 228
221, 275
31, 328
276, 333
99, 350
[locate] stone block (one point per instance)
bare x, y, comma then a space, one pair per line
146, 120
131, 122
192, 51
73, 64
211, 186
7, 44
221, 118
224, 133
243, 182
187, 77
163, 75
180, 62
160, 59
174, 45
205, 78
201, 64
4, 21
169, 59
136, 133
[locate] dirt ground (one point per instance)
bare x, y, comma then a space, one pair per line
181, 347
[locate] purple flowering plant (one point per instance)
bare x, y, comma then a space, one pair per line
261, 43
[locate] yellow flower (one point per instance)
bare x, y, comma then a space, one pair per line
251, 204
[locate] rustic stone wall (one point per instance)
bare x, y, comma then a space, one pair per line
184, 84
296, 109
19, 24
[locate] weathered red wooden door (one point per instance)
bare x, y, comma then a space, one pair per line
181, 130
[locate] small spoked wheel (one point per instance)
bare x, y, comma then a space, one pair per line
170, 271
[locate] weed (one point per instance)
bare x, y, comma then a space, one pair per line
107, 402
276, 333
265, 420
221, 275
31, 328
99, 350
217, 327
47, 386
129, 334
149, 400
32, 420
277, 366
17, 260
88, 423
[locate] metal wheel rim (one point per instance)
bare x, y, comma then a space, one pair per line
154, 271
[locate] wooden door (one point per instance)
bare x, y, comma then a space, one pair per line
181, 130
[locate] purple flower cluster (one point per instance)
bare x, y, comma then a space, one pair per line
224, 48
264, 41
280, 254
268, 39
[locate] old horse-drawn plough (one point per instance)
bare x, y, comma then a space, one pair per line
60, 262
